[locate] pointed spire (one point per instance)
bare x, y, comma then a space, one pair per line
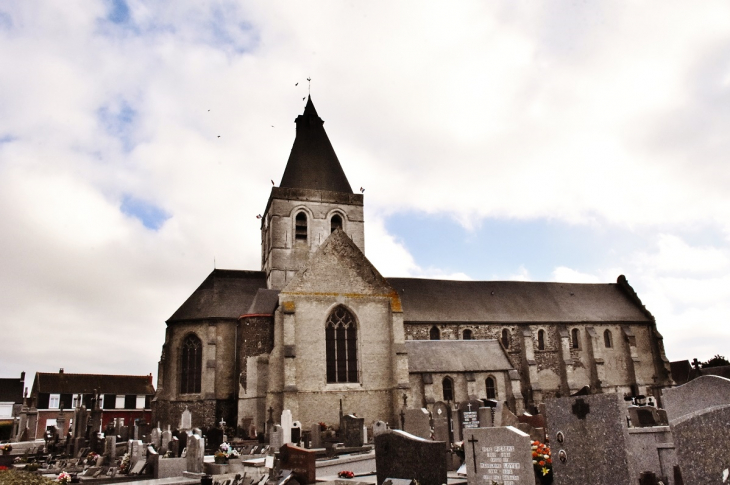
313, 163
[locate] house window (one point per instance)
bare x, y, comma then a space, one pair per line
541, 340
608, 339
467, 335
435, 334
505, 338
491, 388
341, 346
575, 338
300, 228
54, 401
140, 401
448, 386
191, 360
335, 223
121, 402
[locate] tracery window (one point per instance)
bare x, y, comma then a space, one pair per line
468, 335
491, 388
608, 339
435, 334
575, 338
335, 223
541, 340
448, 386
191, 359
300, 228
505, 338
341, 343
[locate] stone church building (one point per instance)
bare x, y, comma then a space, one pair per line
318, 326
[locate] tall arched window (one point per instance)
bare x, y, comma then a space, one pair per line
191, 357
341, 337
448, 386
435, 334
300, 228
575, 338
541, 340
505, 338
608, 339
467, 335
491, 388
335, 223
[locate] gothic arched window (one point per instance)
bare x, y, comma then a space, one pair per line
541, 340
491, 388
468, 335
191, 359
435, 334
300, 228
575, 338
608, 339
448, 386
335, 223
341, 340
505, 338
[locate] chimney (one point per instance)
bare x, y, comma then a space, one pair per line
60, 371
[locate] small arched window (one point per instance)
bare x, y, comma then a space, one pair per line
341, 346
191, 358
541, 340
335, 223
300, 228
467, 335
435, 334
575, 338
608, 339
491, 388
448, 386
505, 338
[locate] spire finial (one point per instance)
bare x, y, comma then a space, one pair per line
309, 80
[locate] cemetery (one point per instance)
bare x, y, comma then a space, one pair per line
584, 438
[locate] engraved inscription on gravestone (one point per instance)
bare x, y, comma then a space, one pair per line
500, 455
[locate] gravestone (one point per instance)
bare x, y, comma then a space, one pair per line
277, 438
501, 455
418, 422
316, 436
165, 440
468, 413
296, 432
174, 447
110, 448
156, 438
698, 394
300, 461
135, 450
123, 433
186, 420
402, 455
379, 427
442, 423
195, 453
702, 440
286, 422
589, 437
485, 417
352, 430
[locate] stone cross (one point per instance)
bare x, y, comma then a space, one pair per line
473, 442
581, 408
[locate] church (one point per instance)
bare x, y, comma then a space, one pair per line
318, 328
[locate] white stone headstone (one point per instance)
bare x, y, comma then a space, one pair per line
286, 424
195, 454
186, 420
501, 455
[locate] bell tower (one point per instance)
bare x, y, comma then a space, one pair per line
313, 199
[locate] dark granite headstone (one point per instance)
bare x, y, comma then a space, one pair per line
498, 455
352, 430
418, 422
402, 455
316, 436
300, 461
702, 440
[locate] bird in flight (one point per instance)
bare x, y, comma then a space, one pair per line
362, 190
258, 216
219, 136
297, 84
272, 183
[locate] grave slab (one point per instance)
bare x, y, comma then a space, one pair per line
500, 455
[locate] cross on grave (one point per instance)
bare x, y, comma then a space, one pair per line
473, 442
581, 408
469, 406
222, 423
696, 363
405, 399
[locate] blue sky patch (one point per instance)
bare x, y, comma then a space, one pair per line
118, 11
150, 215
117, 121
7, 139
6, 21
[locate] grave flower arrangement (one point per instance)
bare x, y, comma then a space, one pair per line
224, 453
124, 465
91, 458
322, 426
346, 474
64, 478
6, 448
542, 462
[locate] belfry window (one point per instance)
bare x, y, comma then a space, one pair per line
434, 334
505, 338
541, 340
467, 335
341, 340
191, 360
448, 386
575, 338
335, 223
491, 388
608, 339
300, 228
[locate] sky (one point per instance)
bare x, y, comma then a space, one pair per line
508, 140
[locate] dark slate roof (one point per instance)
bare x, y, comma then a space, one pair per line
225, 293
313, 163
264, 303
517, 301
11, 390
456, 356
63, 383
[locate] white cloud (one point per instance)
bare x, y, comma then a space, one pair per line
568, 275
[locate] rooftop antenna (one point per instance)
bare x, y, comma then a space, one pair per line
309, 80
213, 262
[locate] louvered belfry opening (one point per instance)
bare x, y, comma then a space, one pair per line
341, 337
300, 229
191, 365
